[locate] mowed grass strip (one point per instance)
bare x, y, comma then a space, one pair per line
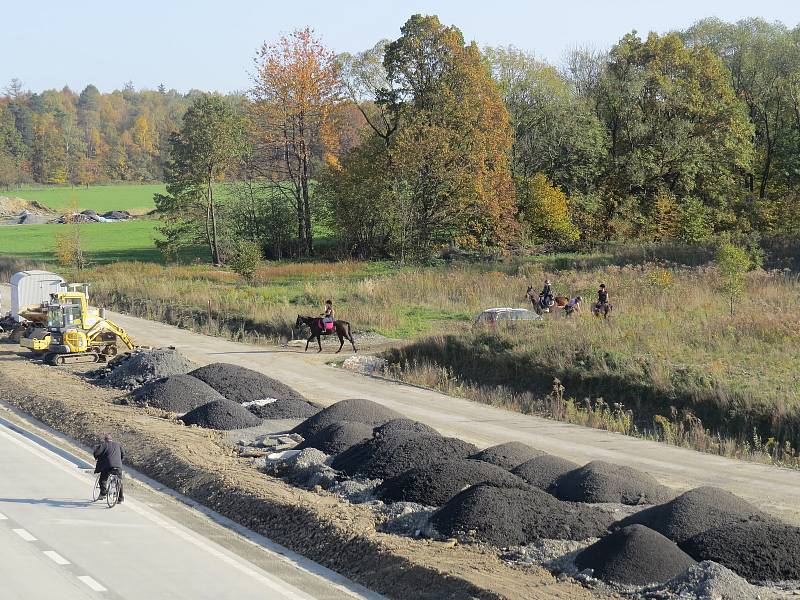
135, 198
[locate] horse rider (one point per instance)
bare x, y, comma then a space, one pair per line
546, 294
328, 316
602, 297
573, 306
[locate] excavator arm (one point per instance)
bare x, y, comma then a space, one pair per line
105, 325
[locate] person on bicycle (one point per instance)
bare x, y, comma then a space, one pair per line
109, 456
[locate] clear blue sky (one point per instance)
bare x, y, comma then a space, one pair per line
209, 44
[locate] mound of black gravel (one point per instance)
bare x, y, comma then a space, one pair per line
694, 512
755, 550
435, 484
510, 516
543, 471
243, 385
355, 411
508, 455
337, 437
389, 456
129, 371
177, 393
600, 481
221, 414
403, 426
284, 408
634, 555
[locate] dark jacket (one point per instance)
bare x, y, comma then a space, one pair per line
109, 456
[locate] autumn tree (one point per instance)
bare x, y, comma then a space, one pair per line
295, 90
544, 212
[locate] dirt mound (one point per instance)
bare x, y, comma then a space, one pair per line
706, 581
512, 516
355, 410
695, 511
117, 215
176, 393
19, 206
243, 385
403, 425
508, 455
634, 555
755, 550
221, 414
600, 481
337, 437
389, 456
435, 484
129, 371
543, 471
284, 408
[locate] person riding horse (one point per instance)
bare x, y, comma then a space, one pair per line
328, 317
547, 294
573, 306
603, 304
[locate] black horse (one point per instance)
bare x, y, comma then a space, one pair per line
342, 329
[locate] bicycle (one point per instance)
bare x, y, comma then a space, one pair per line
113, 486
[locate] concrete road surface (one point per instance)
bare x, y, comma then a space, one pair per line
56, 543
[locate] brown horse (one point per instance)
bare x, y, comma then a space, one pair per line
342, 329
537, 301
602, 309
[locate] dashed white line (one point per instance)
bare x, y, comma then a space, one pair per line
56, 557
25, 535
92, 583
3, 517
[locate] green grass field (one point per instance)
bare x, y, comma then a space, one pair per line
135, 198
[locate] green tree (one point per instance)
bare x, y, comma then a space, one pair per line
544, 211
246, 259
733, 263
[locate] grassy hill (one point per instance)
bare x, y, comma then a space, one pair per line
136, 198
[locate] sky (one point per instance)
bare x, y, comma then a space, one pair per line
210, 44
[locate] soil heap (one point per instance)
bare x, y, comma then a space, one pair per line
543, 471
695, 511
284, 408
634, 555
508, 455
129, 371
337, 437
435, 484
355, 410
403, 425
176, 393
221, 414
755, 550
600, 481
512, 516
389, 456
243, 385
706, 581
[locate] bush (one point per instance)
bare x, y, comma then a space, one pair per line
544, 212
245, 260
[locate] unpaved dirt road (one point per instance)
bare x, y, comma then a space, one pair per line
774, 489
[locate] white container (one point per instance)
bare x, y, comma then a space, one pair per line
32, 288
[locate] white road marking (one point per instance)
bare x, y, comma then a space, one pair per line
56, 557
92, 583
25, 535
3, 517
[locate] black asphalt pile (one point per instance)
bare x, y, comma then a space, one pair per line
511, 516
284, 408
600, 481
389, 456
694, 512
755, 550
243, 385
508, 455
337, 437
403, 426
435, 484
634, 555
177, 393
129, 371
543, 471
354, 410
221, 414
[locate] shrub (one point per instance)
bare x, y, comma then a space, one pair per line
245, 260
544, 211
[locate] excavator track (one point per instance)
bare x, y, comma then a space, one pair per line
56, 359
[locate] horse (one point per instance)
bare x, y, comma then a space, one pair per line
604, 309
342, 329
538, 306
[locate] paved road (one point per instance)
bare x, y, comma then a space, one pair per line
774, 489
55, 543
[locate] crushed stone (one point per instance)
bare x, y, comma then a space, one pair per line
283, 408
508, 455
241, 384
405, 518
543, 471
634, 555
600, 481
356, 491
176, 393
338, 437
434, 484
706, 580
130, 371
355, 410
403, 425
221, 414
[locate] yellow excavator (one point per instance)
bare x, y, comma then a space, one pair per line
36, 334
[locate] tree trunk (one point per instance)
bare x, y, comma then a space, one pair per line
213, 214
307, 210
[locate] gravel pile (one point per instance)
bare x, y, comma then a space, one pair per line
129, 371
403, 426
176, 393
435, 484
243, 385
543, 471
338, 437
508, 455
755, 550
221, 414
705, 581
389, 456
634, 555
354, 410
600, 481
283, 408
513, 516
695, 511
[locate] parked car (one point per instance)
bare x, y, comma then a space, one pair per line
492, 316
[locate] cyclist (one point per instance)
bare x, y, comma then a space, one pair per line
109, 456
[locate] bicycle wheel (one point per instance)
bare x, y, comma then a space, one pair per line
112, 493
96, 488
